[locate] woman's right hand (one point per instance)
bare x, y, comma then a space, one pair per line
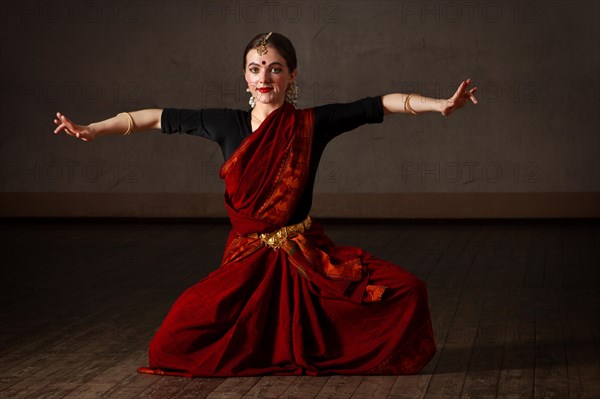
83, 132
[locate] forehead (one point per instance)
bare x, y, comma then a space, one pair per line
272, 55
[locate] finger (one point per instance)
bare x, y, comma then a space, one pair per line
59, 128
467, 82
472, 96
67, 122
65, 129
461, 89
469, 92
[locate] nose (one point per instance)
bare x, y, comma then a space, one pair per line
265, 76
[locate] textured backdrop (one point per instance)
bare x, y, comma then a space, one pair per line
530, 148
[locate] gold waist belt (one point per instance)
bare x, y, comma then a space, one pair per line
275, 239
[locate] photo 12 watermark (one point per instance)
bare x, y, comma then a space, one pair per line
469, 11
70, 172
469, 172
69, 12
528, 92
72, 92
226, 93
328, 172
270, 12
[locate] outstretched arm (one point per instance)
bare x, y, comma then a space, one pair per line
142, 120
397, 102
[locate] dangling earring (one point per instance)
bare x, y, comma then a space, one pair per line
291, 93
252, 100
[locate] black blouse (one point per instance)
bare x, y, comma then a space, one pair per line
228, 127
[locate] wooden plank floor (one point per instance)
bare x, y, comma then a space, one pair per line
515, 304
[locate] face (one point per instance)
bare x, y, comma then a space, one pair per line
269, 71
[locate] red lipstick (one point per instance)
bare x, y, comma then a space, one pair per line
265, 89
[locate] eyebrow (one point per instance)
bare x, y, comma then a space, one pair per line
272, 63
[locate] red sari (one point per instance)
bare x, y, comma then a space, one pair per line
309, 307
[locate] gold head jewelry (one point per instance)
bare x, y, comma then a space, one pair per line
262, 49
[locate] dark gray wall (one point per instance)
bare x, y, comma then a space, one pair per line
535, 129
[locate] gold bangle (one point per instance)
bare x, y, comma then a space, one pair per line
129, 121
407, 108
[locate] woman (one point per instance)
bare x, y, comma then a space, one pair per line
285, 300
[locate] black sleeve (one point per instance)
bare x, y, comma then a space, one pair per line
334, 119
210, 123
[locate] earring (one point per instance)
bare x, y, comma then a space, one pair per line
252, 100
291, 94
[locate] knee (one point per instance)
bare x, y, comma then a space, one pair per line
419, 285
160, 345
155, 349
416, 288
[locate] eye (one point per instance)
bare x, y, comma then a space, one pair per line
254, 70
276, 70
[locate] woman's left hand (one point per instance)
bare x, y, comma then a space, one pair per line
459, 99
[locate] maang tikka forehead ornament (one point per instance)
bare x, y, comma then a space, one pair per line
262, 49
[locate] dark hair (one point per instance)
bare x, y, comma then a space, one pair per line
281, 43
